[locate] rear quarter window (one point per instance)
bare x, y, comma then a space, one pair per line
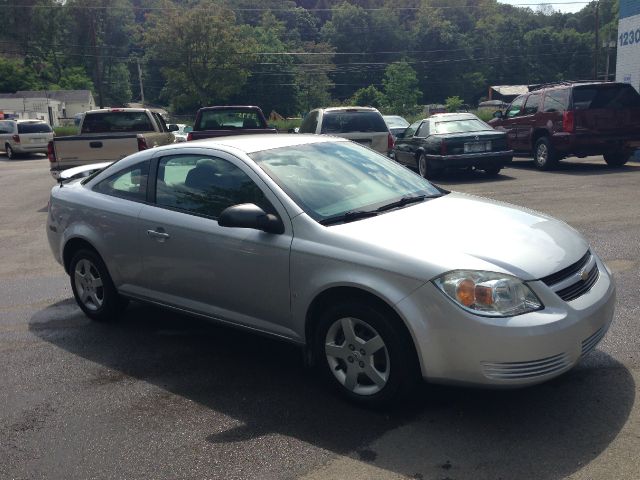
346, 122
556, 101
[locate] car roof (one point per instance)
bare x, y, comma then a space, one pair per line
349, 109
453, 116
259, 142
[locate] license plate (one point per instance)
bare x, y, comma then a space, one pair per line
38, 140
477, 147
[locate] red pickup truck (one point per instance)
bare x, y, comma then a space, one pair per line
555, 121
229, 120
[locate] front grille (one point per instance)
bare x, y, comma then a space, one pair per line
590, 343
580, 287
526, 370
567, 272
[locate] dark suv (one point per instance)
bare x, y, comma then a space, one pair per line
555, 121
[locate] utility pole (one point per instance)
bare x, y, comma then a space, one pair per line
597, 42
140, 80
608, 45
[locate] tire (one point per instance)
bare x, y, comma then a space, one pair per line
425, 169
544, 156
93, 288
493, 171
365, 354
617, 159
9, 151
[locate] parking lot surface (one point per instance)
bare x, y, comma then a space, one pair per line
159, 395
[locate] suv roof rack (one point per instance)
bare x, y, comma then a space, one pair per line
539, 86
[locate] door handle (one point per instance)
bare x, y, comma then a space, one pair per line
160, 236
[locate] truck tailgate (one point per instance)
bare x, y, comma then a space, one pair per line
83, 149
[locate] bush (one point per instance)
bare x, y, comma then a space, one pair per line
65, 131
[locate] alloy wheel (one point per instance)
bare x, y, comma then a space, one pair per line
422, 166
542, 154
357, 356
89, 284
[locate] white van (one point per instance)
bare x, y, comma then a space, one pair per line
24, 136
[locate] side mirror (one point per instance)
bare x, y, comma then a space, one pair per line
497, 114
249, 215
173, 127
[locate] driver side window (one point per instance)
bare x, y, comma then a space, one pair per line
515, 108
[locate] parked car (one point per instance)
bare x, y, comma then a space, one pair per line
363, 125
107, 135
220, 121
452, 140
396, 124
180, 131
24, 136
381, 276
555, 121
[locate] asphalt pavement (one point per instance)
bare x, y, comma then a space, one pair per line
163, 396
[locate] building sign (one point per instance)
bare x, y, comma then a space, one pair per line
628, 58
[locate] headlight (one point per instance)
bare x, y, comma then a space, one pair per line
488, 293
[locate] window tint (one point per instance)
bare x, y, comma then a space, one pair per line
310, 123
230, 119
36, 127
117, 122
130, 183
411, 129
556, 100
516, 107
345, 122
423, 131
605, 96
205, 185
533, 102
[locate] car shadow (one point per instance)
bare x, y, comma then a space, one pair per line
456, 177
23, 157
551, 429
576, 166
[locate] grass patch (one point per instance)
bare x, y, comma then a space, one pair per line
65, 131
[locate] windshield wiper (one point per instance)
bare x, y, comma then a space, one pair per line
406, 200
349, 217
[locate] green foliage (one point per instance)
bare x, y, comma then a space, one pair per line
453, 104
14, 76
401, 88
75, 78
65, 131
369, 97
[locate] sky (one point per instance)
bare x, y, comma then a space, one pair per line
565, 6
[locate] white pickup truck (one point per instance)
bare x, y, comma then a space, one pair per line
107, 135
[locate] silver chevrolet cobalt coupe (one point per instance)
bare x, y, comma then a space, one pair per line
381, 276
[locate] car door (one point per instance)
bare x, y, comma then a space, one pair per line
510, 121
405, 145
233, 274
526, 122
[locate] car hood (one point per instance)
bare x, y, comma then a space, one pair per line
459, 231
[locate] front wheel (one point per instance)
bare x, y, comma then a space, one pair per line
544, 156
617, 158
93, 288
364, 353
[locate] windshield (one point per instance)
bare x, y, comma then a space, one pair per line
34, 128
333, 178
228, 119
460, 126
346, 122
396, 122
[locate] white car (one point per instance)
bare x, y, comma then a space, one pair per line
180, 131
381, 276
24, 136
363, 125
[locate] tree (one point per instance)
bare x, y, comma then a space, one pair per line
401, 88
453, 104
209, 58
369, 97
14, 76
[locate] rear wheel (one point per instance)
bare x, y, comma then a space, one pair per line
425, 169
617, 158
9, 151
364, 353
544, 156
93, 288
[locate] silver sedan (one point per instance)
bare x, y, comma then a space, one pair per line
381, 276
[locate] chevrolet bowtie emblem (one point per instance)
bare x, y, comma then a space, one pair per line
584, 275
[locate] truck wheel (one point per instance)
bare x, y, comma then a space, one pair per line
544, 156
617, 158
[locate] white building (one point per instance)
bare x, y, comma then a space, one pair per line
54, 106
628, 61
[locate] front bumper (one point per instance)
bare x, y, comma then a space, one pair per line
455, 346
478, 160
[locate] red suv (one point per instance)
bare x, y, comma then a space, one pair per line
555, 121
